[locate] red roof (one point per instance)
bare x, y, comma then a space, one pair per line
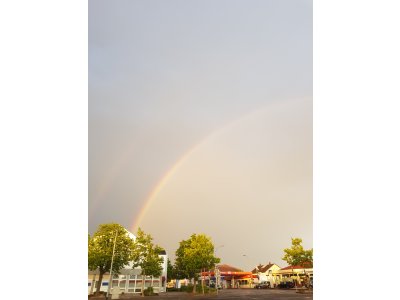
228, 268
304, 266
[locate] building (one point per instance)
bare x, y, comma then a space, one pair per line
300, 275
229, 277
264, 273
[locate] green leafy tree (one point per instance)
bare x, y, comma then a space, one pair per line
100, 250
195, 254
172, 271
297, 256
146, 256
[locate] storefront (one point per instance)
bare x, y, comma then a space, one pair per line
298, 275
229, 277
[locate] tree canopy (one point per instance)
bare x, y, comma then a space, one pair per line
101, 246
146, 256
194, 254
297, 256
172, 271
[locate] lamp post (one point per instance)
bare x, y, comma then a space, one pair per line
216, 271
112, 261
245, 255
251, 276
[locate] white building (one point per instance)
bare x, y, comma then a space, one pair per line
265, 273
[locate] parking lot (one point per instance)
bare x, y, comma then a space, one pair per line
242, 294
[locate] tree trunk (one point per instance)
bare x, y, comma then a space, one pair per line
194, 285
295, 282
99, 282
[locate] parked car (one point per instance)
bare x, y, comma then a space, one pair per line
263, 285
212, 285
286, 285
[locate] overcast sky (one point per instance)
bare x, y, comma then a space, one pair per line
203, 111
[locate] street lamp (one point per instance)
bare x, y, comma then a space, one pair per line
216, 271
112, 261
251, 276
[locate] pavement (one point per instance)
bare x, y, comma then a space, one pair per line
273, 294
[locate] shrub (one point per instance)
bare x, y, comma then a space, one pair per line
186, 288
149, 291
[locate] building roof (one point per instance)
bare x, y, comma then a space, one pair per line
257, 269
303, 266
228, 268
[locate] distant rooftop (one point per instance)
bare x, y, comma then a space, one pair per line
228, 268
262, 268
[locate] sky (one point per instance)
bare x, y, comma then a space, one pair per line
200, 121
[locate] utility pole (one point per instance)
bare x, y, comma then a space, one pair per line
93, 282
112, 261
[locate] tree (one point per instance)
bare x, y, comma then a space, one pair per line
194, 254
146, 256
101, 246
296, 255
172, 271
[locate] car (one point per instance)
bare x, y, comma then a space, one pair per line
263, 285
212, 285
286, 285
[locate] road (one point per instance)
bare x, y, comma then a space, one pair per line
273, 294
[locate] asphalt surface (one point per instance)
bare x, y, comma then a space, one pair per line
238, 294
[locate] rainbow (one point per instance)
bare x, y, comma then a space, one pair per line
164, 179
112, 173
154, 192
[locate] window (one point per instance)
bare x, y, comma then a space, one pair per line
122, 283
104, 283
